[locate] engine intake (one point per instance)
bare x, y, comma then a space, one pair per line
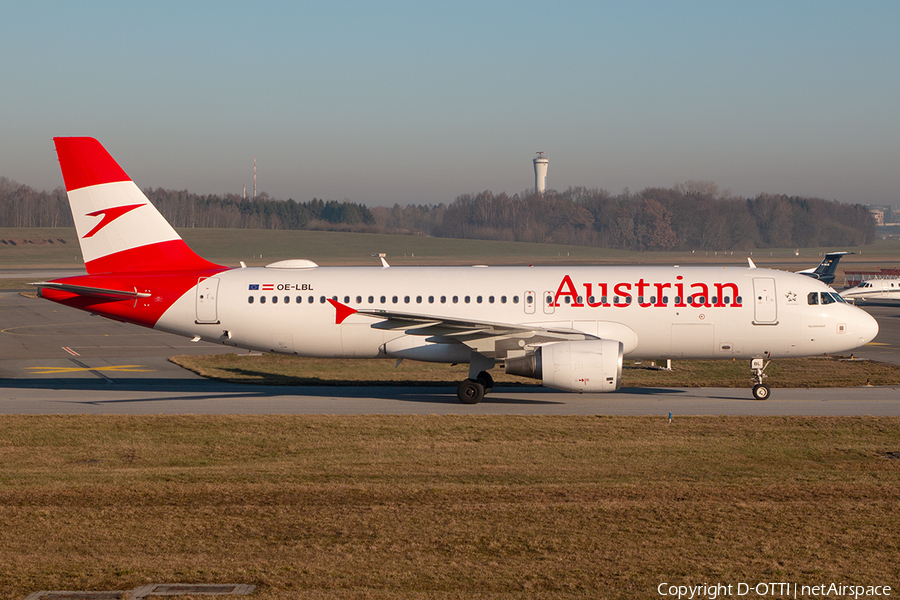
582, 366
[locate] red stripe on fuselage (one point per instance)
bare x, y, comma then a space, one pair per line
85, 162
170, 257
165, 289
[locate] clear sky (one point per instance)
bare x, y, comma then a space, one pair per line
418, 102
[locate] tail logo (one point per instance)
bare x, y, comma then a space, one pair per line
109, 215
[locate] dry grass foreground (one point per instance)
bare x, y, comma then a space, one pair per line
279, 369
421, 507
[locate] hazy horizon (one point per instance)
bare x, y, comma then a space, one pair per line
416, 104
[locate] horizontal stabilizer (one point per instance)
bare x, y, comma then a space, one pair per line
83, 290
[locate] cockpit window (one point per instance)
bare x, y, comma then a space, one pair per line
827, 298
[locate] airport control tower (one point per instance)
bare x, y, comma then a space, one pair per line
541, 163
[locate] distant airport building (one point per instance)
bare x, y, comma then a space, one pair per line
541, 163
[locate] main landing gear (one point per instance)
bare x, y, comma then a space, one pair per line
760, 390
471, 391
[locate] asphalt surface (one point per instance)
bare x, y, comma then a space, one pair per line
57, 360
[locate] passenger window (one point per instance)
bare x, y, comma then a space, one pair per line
359, 299
287, 299
502, 299
383, 299
274, 299
346, 299
262, 299
812, 298
468, 299
478, 299
311, 300
455, 299
321, 299
299, 299
443, 299
430, 299
395, 299
371, 299
250, 300
406, 299
491, 299
418, 299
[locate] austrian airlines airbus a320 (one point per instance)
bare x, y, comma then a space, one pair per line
568, 326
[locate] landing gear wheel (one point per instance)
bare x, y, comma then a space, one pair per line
485, 379
761, 391
470, 391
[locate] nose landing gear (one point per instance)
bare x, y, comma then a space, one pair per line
760, 390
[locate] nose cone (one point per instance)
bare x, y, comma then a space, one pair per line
866, 327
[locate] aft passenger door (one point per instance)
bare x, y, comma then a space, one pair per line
207, 292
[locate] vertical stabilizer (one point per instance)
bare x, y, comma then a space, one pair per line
118, 228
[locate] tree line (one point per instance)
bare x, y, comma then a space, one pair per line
688, 216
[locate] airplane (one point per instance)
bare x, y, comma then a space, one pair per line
826, 269
570, 327
874, 289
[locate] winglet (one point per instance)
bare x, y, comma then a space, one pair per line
342, 311
752, 264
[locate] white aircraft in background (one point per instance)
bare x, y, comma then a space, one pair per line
874, 289
568, 326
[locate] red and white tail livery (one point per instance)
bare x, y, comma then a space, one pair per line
118, 228
571, 327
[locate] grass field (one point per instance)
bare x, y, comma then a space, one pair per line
277, 369
260, 247
446, 507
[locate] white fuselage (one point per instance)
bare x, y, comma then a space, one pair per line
874, 289
689, 312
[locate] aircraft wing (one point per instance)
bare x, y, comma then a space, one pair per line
488, 338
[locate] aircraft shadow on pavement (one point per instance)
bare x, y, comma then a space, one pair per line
175, 389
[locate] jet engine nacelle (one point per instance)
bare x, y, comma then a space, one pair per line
582, 366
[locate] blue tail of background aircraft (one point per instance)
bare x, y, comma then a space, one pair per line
826, 269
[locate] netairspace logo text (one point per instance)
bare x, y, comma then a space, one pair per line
711, 591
